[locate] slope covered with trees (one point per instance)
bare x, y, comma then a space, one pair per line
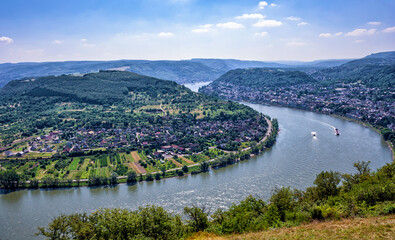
262, 78
375, 70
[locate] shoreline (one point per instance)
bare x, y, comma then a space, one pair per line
368, 125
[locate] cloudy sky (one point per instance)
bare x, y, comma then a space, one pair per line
57, 30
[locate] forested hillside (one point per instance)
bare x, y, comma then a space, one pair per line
262, 78
375, 70
103, 87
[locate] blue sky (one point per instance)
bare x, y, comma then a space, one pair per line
58, 30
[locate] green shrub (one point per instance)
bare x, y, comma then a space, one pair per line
198, 218
149, 177
283, 199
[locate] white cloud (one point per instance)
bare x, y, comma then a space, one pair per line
261, 34
57, 42
251, 16
262, 4
6, 40
83, 39
230, 25
361, 32
292, 18
204, 28
302, 23
268, 23
296, 43
325, 35
374, 23
165, 34
389, 30
359, 41
329, 35
273, 5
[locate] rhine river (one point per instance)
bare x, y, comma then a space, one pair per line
294, 161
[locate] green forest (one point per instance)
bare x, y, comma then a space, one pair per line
263, 78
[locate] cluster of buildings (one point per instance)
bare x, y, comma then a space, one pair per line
354, 101
163, 137
41, 144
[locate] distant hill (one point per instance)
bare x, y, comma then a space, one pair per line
258, 79
375, 70
189, 71
382, 55
230, 64
185, 71
178, 71
316, 63
101, 87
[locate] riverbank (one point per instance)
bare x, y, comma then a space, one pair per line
324, 202
365, 124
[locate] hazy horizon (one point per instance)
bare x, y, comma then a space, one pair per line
278, 30
187, 59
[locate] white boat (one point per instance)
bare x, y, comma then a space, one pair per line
314, 134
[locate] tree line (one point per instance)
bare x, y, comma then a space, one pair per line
362, 194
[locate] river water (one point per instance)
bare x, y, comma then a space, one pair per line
294, 161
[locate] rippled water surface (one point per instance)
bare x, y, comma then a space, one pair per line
294, 161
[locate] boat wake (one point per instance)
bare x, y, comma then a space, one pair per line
324, 123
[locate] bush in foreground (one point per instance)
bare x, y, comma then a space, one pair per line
362, 194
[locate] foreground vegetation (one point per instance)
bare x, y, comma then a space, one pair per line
362, 194
381, 227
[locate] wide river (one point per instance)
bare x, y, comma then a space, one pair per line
294, 161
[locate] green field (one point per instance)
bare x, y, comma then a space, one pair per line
74, 164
